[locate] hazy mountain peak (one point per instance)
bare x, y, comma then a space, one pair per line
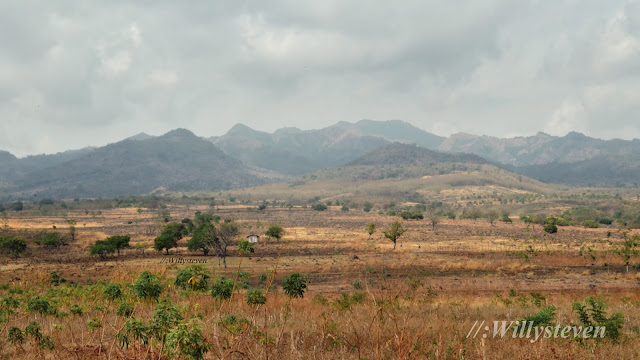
140, 137
180, 133
287, 130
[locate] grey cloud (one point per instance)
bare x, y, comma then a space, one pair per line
75, 74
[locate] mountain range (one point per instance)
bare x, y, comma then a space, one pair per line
182, 161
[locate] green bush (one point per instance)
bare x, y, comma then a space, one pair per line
147, 286
112, 291
592, 313
187, 339
319, 207
408, 215
194, 277
13, 245
294, 285
551, 228
222, 288
125, 309
256, 297
590, 224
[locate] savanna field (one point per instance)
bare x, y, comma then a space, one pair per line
326, 289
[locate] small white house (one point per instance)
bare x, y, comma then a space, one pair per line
253, 238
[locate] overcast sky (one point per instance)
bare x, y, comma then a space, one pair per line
78, 73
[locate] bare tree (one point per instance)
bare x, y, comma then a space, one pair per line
225, 236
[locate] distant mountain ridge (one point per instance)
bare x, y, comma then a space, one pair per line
177, 161
295, 152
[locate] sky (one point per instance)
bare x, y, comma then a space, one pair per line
80, 73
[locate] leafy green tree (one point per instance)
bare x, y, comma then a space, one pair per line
112, 291
203, 239
13, 245
394, 232
367, 206
295, 285
371, 228
53, 239
102, 248
275, 231
119, 242
168, 239
592, 313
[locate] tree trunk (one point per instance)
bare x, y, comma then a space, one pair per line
394, 244
224, 261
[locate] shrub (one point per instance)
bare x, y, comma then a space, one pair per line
319, 207
551, 228
592, 313
13, 245
187, 339
222, 288
367, 206
256, 297
75, 309
16, 336
40, 305
590, 224
125, 309
55, 279
275, 231
294, 285
245, 247
165, 317
147, 286
52, 240
408, 215
193, 277
112, 291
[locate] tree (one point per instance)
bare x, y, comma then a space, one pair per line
319, 207
147, 286
371, 228
16, 206
225, 237
245, 247
433, 217
52, 240
168, 239
119, 242
628, 249
203, 239
492, 216
367, 206
275, 231
72, 228
394, 232
13, 245
295, 285
102, 248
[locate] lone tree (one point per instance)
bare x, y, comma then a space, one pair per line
224, 238
432, 214
168, 239
395, 231
628, 249
367, 206
102, 248
275, 231
72, 228
203, 239
119, 242
371, 228
492, 216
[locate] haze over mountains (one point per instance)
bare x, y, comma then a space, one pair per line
182, 161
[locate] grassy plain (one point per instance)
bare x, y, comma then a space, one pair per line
364, 301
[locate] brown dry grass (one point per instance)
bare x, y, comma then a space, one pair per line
462, 272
